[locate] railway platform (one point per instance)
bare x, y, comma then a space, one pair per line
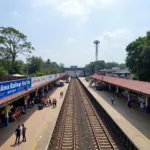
39, 124
131, 121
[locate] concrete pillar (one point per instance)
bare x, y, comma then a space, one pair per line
117, 90
7, 109
36, 93
109, 87
146, 104
26, 102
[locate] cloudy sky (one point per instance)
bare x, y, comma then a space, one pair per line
64, 30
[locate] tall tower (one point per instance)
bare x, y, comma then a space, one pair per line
96, 42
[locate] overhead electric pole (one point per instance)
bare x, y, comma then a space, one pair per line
96, 42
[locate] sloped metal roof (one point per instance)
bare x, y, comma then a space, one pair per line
137, 86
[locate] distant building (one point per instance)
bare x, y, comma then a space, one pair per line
116, 72
75, 71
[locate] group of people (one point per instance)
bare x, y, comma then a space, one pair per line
18, 133
52, 102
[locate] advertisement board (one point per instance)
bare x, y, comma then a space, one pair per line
38, 80
57, 75
50, 77
13, 87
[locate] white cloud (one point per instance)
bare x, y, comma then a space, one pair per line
117, 35
71, 40
15, 13
76, 7
73, 7
113, 44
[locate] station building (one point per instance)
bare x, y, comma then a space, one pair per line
74, 71
18, 94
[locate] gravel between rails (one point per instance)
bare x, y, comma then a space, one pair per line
84, 135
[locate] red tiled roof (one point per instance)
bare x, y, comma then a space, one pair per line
138, 86
9, 98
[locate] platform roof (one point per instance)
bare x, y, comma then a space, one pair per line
137, 86
23, 93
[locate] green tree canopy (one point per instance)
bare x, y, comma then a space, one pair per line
122, 66
3, 72
110, 65
12, 43
99, 65
138, 57
35, 64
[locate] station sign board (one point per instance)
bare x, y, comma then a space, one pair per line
50, 77
38, 80
12, 87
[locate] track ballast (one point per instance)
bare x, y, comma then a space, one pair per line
79, 127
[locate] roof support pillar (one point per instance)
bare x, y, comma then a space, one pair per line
146, 104
26, 102
109, 87
7, 109
117, 91
36, 93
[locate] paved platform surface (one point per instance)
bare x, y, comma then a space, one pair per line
36, 122
130, 120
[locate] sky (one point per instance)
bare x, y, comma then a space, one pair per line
64, 30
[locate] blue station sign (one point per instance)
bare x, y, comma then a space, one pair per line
13, 87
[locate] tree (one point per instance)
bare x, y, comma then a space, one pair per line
99, 65
110, 65
61, 65
122, 66
3, 72
34, 65
138, 57
12, 43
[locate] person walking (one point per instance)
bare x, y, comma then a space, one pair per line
23, 133
112, 100
17, 132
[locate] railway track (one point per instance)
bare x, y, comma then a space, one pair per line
101, 137
69, 127
66, 125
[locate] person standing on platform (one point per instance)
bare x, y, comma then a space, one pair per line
129, 103
17, 132
23, 133
112, 100
50, 102
55, 102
